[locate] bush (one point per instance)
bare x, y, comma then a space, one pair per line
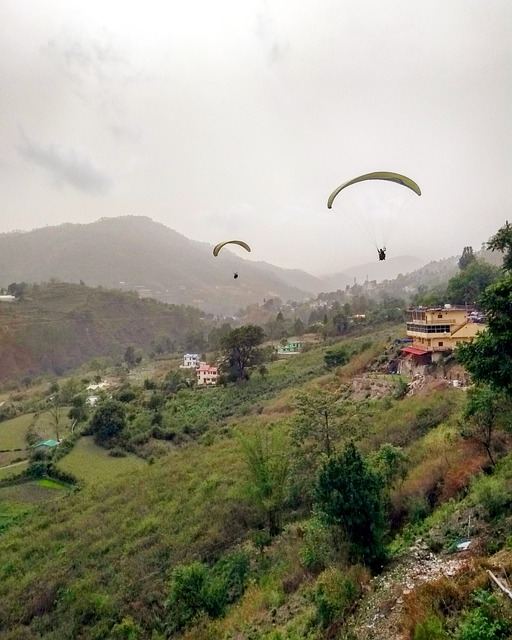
336, 594
484, 622
494, 494
431, 629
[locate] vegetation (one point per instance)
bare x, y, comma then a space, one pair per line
312, 500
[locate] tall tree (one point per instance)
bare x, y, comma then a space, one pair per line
240, 348
108, 421
348, 495
502, 241
489, 357
267, 469
467, 286
486, 412
466, 258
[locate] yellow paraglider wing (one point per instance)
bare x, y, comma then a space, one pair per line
218, 247
377, 175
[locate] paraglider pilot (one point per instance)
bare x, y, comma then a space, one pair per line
235, 275
382, 253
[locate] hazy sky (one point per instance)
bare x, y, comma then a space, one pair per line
237, 118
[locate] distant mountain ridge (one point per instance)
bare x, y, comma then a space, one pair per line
134, 252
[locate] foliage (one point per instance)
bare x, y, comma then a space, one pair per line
487, 411
484, 622
267, 472
489, 357
240, 350
197, 589
502, 241
336, 357
468, 285
466, 258
348, 495
108, 421
336, 594
390, 463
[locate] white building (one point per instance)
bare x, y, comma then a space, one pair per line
206, 374
190, 361
7, 298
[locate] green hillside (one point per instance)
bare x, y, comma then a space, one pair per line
55, 327
179, 545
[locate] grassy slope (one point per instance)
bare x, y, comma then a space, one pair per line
59, 326
13, 432
107, 552
91, 463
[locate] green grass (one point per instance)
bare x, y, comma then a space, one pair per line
5, 472
51, 484
92, 464
31, 492
12, 513
13, 432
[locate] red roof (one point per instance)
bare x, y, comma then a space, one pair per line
415, 352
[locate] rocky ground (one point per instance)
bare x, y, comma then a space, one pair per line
379, 617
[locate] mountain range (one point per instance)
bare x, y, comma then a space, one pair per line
136, 253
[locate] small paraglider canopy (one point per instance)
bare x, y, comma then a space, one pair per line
376, 175
219, 246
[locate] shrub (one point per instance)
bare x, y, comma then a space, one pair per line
336, 594
431, 629
494, 494
484, 622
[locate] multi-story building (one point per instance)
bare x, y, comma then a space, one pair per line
207, 374
190, 361
437, 330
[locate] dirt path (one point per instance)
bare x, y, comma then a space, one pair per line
380, 615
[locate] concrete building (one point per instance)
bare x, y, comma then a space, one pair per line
190, 361
436, 331
206, 374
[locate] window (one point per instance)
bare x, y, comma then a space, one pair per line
439, 344
439, 315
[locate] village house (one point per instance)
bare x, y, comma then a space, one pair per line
190, 361
291, 346
436, 331
206, 374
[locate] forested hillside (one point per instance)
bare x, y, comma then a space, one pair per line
134, 251
54, 327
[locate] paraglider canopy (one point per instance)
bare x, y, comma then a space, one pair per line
219, 246
377, 175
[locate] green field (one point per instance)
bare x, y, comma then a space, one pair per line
31, 492
91, 463
5, 472
13, 432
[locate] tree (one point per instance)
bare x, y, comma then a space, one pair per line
240, 349
129, 356
466, 258
267, 469
336, 357
54, 409
348, 495
468, 285
321, 419
78, 411
486, 411
502, 241
108, 421
488, 358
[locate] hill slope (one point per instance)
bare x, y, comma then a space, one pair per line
134, 251
59, 326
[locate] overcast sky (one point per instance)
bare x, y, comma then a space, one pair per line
237, 118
